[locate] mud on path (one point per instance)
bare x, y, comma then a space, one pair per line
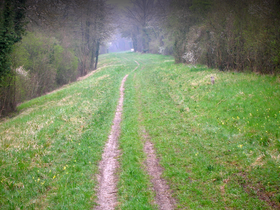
107, 179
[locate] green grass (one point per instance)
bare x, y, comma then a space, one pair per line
135, 189
219, 144
134, 186
50, 152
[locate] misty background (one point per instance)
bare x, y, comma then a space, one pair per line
45, 44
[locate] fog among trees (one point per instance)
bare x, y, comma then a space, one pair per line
45, 44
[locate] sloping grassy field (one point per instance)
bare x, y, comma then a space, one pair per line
219, 145
50, 151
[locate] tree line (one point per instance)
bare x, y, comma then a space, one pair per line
45, 44
48, 43
240, 35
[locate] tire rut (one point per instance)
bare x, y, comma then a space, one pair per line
163, 195
107, 179
164, 199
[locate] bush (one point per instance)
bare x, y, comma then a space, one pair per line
66, 64
46, 64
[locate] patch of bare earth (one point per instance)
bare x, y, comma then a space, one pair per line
163, 193
107, 179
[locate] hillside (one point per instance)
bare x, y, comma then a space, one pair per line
218, 145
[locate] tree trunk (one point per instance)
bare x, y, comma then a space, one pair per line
92, 57
7, 93
96, 54
135, 44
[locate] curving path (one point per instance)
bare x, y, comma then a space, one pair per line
107, 180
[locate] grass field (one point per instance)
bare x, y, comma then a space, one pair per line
50, 151
219, 145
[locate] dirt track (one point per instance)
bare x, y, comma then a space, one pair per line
107, 179
163, 197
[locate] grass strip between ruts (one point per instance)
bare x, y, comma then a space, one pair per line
134, 185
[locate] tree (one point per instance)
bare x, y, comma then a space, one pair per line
183, 15
11, 30
137, 23
86, 24
227, 34
92, 26
245, 35
12, 15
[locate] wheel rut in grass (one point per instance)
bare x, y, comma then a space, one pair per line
163, 195
107, 179
163, 199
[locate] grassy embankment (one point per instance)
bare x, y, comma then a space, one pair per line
50, 151
219, 144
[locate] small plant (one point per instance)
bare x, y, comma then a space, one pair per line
210, 168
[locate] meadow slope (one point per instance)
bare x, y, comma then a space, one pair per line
218, 145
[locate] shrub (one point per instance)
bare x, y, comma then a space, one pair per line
46, 63
66, 64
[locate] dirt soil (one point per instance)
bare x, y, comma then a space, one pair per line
163, 194
107, 189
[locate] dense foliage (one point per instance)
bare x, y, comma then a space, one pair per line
12, 15
42, 65
237, 35
62, 42
229, 35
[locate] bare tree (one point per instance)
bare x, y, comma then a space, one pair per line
137, 23
85, 24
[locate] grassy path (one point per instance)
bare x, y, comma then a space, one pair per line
218, 145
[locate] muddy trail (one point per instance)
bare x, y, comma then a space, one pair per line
107, 177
